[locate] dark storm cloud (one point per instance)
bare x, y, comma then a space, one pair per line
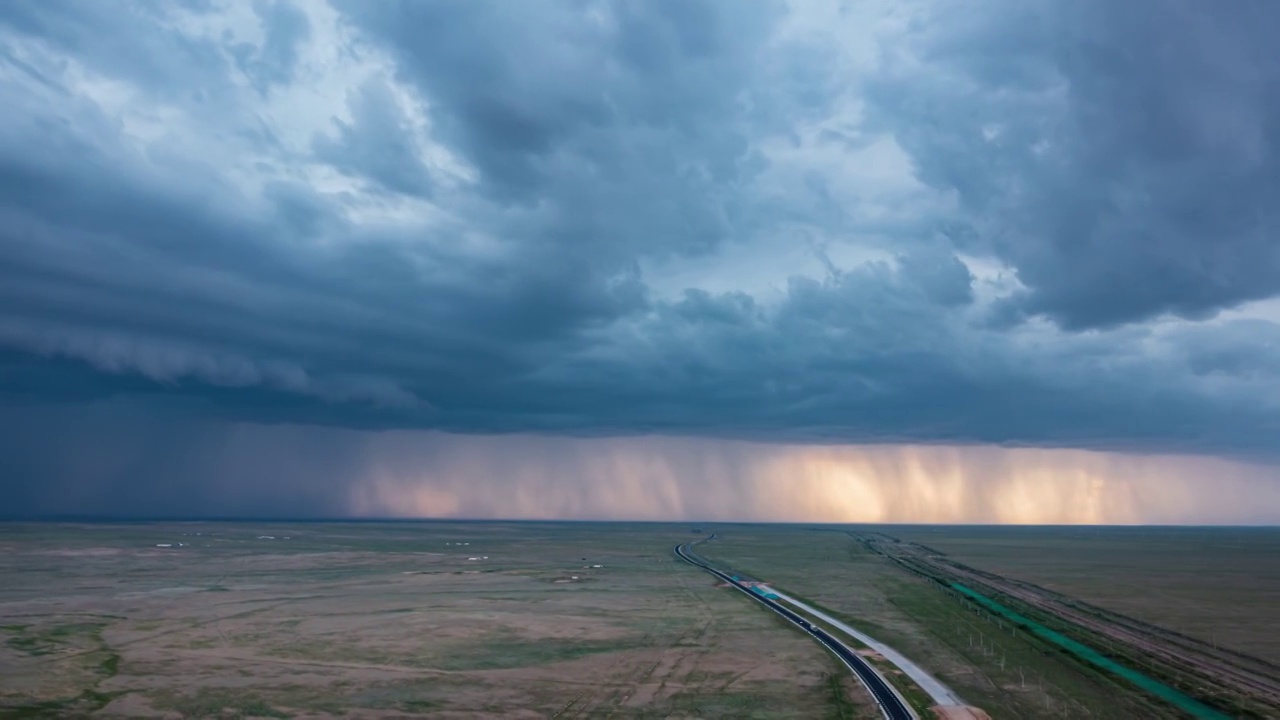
148, 460
377, 144
871, 355
1120, 155
505, 281
122, 459
125, 41
606, 136
536, 95
273, 63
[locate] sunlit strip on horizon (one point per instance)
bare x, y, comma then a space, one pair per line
653, 478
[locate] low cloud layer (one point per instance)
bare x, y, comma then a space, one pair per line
127, 461
1047, 223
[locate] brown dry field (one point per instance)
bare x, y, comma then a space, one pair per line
372, 620
1220, 585
383, 620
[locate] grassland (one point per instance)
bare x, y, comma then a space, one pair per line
1220, 585
374, 620
1009, 675
389, 620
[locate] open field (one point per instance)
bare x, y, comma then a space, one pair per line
384, 620
1007, 676
1220, 585
1201, 670
390, 620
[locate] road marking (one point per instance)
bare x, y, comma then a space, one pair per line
892, 705
937, 691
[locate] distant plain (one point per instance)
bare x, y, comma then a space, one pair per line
385, 620
1221, 585
484, 619
1006, 676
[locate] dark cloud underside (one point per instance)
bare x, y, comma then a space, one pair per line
1041, 223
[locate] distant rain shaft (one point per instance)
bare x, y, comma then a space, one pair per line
653, 478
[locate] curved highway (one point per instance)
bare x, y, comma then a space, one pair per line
890, 704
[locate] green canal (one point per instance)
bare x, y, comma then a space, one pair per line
1170, 695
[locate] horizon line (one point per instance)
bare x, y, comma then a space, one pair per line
75, 518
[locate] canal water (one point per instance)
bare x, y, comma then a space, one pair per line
1170, 695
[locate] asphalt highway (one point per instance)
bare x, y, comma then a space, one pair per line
892, 707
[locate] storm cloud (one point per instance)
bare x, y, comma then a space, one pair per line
1044, 224
119, 459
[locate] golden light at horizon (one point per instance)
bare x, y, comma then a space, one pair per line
657, 478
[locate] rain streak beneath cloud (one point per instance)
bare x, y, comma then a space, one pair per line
866, 260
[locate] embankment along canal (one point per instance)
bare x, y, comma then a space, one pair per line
1174, 697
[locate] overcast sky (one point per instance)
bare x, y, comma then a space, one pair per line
1035, 223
